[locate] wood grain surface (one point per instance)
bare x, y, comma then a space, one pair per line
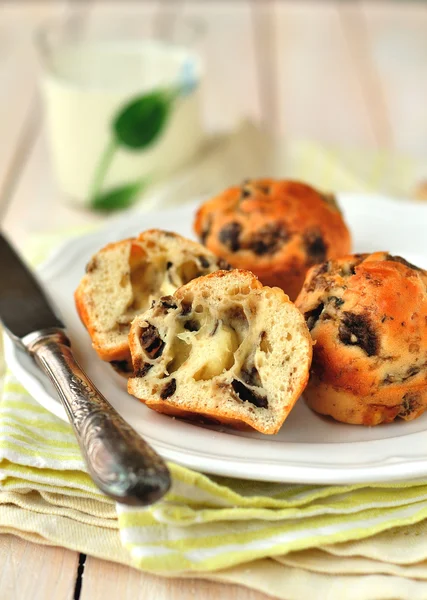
31, 571
123, 582
345, 73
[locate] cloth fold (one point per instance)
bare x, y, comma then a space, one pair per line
205, 525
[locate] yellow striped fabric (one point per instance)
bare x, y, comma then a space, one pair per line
205, 523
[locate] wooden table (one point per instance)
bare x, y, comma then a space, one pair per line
343, 73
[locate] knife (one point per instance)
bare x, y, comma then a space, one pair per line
119, 461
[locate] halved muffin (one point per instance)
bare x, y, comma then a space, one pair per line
124, 278
223, 347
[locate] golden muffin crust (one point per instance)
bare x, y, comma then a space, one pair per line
276, 229
367, 314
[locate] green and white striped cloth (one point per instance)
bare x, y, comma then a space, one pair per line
204, 523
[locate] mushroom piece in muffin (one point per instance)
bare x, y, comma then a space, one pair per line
367, 314
276, 229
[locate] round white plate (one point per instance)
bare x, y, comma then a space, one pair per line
309, 448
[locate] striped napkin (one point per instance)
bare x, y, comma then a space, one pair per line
204, 525
284, 540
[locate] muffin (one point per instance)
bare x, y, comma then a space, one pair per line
367, 314
222, 347
276, 229
124, 278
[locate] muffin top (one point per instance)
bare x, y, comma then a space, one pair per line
275, 228
368, 316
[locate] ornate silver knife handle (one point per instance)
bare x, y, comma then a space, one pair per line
119, 461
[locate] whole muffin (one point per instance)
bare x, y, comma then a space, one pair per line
367, 314
276, 229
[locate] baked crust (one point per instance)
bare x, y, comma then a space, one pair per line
368, 317
276, 229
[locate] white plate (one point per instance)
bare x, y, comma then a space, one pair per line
309, 448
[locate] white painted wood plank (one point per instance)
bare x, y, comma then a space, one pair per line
319, 92
355, 31
111, 17
266, 59
398, 45
18, 81
226, 43
30, 571
104, 580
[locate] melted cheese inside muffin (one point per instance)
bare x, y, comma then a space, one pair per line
223, 347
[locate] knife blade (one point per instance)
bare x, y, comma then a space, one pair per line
119, 461
24, 307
